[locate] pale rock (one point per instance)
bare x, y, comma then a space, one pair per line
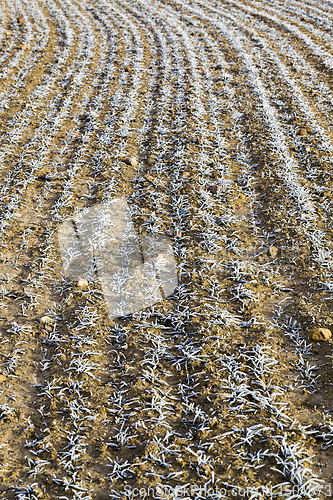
320, 334
132, 161
46, 321
82, 283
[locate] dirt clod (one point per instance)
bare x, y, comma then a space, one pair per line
132, 161
46, 321
214, 189
321, 334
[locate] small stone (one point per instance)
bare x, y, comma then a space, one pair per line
128, 69
215, 189
132, 161
304, 131
46, 321
308, 149
186, 174
21, 20
82, 283
242, 197
24, 47
321, 334
272, 252
149, 178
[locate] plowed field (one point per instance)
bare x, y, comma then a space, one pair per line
217, 391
